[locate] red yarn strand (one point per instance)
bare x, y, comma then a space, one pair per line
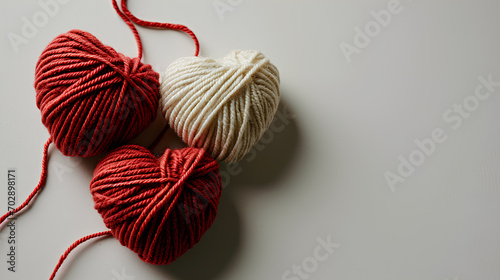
172, 26
131, 25
73, 246
41, 183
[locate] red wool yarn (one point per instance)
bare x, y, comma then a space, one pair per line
157, 207
92, 97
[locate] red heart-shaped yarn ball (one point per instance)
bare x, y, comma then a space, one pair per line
91, 97
157, 207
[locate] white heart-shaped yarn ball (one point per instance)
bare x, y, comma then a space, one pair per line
223, 107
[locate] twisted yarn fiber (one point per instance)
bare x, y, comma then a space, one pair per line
92, 97
221, 107
157, 207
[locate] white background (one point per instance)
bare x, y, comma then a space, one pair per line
322, 175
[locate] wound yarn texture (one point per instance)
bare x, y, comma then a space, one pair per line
223, 107
90, 96
157, 207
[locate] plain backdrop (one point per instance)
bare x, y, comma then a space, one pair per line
370, 90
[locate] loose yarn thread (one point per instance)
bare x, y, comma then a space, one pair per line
41, 183
73, 246
162, 25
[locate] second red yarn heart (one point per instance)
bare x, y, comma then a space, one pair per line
157, 207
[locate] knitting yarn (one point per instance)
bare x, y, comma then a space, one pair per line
90, 96
223, 107
157, 207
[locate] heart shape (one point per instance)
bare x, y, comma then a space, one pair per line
157, 207
90, 96
223, 107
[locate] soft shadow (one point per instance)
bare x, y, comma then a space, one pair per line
271, 158
216, 249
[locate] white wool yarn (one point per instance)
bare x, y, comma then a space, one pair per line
223, 107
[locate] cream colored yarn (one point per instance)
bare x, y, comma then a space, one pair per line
223, 107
